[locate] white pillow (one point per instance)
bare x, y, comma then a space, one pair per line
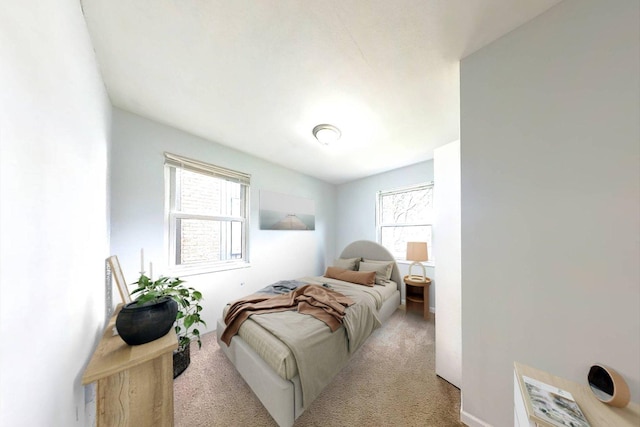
383, 269
347, 263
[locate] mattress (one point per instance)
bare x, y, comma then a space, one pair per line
275, 353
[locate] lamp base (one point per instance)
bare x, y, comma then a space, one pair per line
415, 278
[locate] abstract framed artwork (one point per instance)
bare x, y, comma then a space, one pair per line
284, 212
118, 276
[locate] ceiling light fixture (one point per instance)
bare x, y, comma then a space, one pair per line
326, 134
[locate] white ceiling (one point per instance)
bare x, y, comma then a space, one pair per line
259, 75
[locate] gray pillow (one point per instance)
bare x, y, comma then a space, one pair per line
347, 263
383, 269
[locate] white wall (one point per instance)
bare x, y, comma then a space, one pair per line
356, 209
447, 250
550, 154
137, 212
54, 137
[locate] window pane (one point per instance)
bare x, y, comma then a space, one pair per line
201, 194
207, 215
395, 238
407, 207
236, 240
199, 241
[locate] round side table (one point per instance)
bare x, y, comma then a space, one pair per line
417, 295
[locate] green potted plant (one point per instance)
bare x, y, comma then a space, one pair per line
187, 317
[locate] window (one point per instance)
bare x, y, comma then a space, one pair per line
207, 215
405, 215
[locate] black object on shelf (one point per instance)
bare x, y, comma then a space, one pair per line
142, 323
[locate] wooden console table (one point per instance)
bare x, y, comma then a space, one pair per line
134, 383
597, 413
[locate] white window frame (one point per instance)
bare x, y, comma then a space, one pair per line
379, 225
171, 216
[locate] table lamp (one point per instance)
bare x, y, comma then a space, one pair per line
417, 252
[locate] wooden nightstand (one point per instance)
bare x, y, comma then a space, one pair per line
417, 295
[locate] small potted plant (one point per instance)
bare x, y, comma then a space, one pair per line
187, 317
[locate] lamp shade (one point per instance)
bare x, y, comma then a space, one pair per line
417, 251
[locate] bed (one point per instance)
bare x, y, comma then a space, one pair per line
269, 366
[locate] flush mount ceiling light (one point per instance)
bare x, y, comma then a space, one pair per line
326, 134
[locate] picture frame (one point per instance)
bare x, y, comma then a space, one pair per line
285, 212
118, 276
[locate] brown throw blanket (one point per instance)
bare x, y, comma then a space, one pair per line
323, 304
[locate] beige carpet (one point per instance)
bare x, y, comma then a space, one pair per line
389, 382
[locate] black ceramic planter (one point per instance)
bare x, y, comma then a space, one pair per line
142, 323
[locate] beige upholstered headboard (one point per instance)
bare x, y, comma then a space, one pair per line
372, 250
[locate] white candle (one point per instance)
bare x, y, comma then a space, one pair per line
151, 271
141, 260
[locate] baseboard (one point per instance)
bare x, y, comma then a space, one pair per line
472, 421
469, 419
